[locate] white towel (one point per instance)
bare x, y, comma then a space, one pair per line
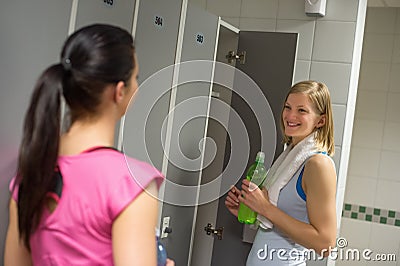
283, 169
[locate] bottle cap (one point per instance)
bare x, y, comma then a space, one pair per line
260, 157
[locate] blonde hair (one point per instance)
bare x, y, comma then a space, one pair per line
319, 95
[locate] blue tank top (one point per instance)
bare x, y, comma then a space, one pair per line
268, 242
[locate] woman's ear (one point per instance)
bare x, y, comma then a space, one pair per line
119, 92
321, 121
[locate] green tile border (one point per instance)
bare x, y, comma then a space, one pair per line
370, 214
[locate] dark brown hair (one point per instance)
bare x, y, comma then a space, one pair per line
91, 58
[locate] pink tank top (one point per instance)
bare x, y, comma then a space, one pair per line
97, 186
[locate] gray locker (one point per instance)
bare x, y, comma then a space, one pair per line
156, 42
115, 12
32, 33
217, 130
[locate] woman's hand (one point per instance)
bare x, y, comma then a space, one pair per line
232, 201
255, 198
170, 262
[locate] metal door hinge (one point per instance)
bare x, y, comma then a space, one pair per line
232, 55
217, 232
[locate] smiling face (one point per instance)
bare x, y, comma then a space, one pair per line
300, 117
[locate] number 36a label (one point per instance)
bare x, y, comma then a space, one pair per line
109, 2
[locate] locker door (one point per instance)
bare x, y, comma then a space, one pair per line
32, 33
218, 120
188, 131
155, 41
115, 12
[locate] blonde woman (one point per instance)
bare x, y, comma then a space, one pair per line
296, 207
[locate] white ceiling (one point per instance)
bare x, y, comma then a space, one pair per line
383, 3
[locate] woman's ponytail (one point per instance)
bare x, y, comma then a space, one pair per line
39, 149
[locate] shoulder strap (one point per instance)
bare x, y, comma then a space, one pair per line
299, 187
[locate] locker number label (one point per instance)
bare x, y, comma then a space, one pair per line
200, 38
159, 21
109, 2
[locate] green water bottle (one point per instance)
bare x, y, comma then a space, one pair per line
256, 174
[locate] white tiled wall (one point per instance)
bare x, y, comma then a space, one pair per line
361, 190
393, 107
259, 8
396, 49
257, 24
357, 233
384, 238
339, 113
388, 196
378, 47
389, 166
302, 70
373, 176
358, 159
374, 76
381, 21
394, 82
292, 9
368, 133
335, 37
341, 10
371, 105
329, 72
391, 137
380, 239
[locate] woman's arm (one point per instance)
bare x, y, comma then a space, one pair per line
15, 251
133, 232
319, 180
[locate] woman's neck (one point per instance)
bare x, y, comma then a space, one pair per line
86, 134
297, 140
